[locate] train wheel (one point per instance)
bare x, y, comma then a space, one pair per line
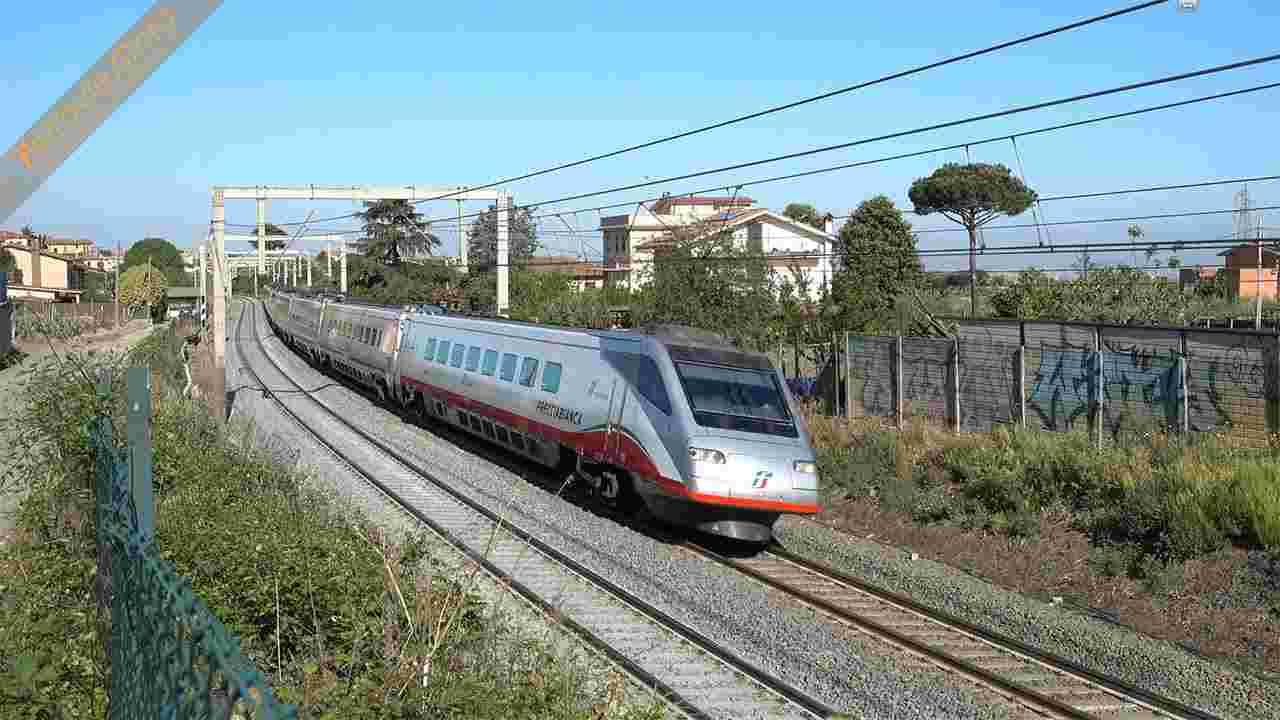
614, 491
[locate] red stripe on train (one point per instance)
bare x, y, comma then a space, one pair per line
592, 444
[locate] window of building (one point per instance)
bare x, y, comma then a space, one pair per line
508, 367
473, 359
528, 371
490, 362
551, 377
458, 351
442, 352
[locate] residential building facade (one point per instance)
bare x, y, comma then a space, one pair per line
44, 275
632, 243
1244, 277
583, 275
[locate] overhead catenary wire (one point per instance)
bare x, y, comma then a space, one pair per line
812, 99
905, 133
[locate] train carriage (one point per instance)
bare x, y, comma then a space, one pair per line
701, 434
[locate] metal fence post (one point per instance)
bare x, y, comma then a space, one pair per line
1184, 377
102, 583
848, 379
898, 394
139, 435
955, 379
1098, 390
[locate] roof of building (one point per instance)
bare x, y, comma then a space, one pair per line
734, 218
565, 264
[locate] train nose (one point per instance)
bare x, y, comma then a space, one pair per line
781, 473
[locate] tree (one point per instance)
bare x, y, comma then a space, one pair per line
1135, 234
9, 264
271, 232
482, 239
971, 195
161, 255
393, 227
142, 285
805, 213
701, 278
880, 264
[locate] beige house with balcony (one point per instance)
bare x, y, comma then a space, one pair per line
44, 275
632, 243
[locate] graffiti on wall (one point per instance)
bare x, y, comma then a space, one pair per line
1230, 381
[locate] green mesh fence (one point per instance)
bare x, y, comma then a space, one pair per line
170, 657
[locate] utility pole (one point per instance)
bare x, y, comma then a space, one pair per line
328, 256
219, 302
462, 239
307, 260
504, 231
342, 264
116, 266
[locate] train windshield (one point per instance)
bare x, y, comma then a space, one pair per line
736, 398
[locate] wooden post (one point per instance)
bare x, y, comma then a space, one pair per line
139, 434
898, 393
955, 379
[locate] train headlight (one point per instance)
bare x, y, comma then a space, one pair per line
715, 457
804, 466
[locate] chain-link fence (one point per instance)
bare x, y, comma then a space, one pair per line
1108, 379
169, 656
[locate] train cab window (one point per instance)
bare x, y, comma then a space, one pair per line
551, 377
442, 352
490, 362
509, 367
431, 349
473, 358
458, 351
649, 383
528, 371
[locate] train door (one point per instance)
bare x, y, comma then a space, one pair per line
616, 356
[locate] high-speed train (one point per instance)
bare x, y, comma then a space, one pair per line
699, 433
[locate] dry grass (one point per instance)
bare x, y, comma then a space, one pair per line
1212, 603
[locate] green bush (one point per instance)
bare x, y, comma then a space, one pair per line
341, 620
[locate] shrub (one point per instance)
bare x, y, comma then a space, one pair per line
339, 617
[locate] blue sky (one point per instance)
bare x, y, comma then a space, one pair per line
292, 93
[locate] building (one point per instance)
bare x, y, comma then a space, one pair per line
42, 275
1244, 277
633, 242
583, 275
66, 247
101, 263
625, 262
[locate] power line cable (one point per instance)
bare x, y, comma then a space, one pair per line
822, 96
956, 146
954, 123
1129, 87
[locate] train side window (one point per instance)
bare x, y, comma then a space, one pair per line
509, 366
442, 352
490, 362
528, 371
473, 358
649, 383
458, 351
551, 377
431, 349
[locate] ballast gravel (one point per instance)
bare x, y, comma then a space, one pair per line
847, 670
259, 421
1154, 665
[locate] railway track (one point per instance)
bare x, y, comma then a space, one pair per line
1033, 683
692, 673
1038, 683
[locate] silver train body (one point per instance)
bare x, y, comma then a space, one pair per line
701, 435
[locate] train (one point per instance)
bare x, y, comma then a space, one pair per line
671, 421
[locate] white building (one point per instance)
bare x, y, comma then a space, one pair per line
631, 241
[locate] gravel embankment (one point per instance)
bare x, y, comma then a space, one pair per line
260, 421
840, 666
1154, 665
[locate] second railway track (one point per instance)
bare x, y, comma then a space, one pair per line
1030, 682
693, 673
